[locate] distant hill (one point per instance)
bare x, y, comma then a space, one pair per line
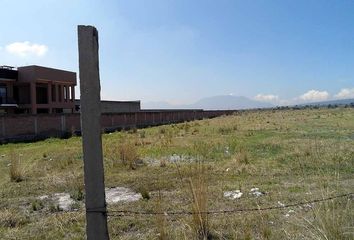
224, 102
332, 102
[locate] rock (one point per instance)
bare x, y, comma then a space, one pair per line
233, 194
44, 197
121, 194
63, 200
175, 158
255, 192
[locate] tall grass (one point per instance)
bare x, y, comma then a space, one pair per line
199, 192
15, 171
332, 220
161, 219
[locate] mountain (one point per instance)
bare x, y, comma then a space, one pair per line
330, 102
224, 102
228, 102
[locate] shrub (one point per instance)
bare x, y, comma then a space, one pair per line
128, 153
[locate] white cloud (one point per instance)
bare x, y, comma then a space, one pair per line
266, 97
24, 49
345, 93
314, 95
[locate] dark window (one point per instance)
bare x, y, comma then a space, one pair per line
42, 96
53, 93
59, 93
3, 94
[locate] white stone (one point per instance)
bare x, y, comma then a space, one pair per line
64, 201
233, 194
255, 192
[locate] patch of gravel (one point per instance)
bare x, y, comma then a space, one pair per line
64, 202
175, 158
121, 194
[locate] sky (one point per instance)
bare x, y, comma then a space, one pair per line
278, 51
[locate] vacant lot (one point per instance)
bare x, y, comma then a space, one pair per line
290, 156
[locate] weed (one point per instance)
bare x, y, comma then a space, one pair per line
225, 130
54, 208
163, 162
37, 205
133, 130
142, 134
242, 156
144, 193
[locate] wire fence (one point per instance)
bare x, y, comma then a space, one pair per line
122, 213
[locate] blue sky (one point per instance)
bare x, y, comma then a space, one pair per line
280, 51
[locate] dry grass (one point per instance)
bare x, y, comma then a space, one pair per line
161, 219
199, 191
128, 153
291, 156
16, 170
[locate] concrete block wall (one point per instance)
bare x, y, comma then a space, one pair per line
32, 127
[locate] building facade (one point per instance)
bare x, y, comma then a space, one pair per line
115, 106
36, 89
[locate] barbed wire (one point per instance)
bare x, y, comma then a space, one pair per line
116, 213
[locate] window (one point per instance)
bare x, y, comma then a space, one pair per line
60, 93
53, 93
3, 91
3, 94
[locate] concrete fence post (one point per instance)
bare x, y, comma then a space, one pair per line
62, 123
96, 213
35, 122
3, 127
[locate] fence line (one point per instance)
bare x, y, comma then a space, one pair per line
116, 213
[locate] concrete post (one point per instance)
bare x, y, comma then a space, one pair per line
73, 93
3, 126
33, 98
49, 96
73, 96
56, 92
35, 125
96, 214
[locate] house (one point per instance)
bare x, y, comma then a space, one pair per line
36, 89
